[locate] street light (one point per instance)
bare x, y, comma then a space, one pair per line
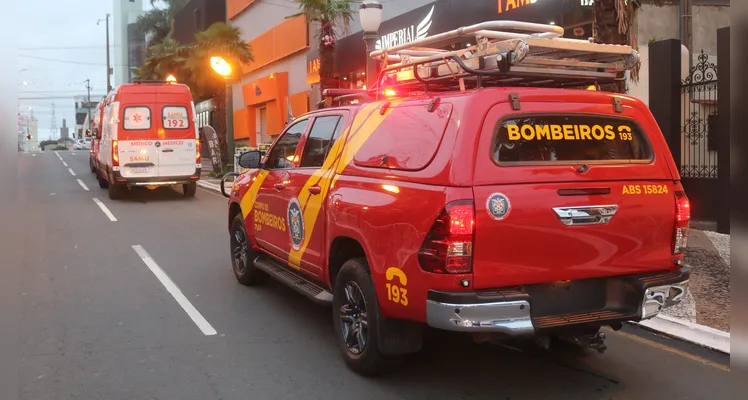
223, 68
370, 14
108, 66
171, 79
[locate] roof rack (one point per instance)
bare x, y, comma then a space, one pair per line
340, 97
506, 53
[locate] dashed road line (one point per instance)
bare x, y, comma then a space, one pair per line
105, 210
83, 185
71, 170
172, 288
64, 163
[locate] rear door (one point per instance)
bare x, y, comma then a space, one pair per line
176, 146
136, 139
566, 195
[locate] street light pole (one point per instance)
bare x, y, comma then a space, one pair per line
229, 122
108, 65
370, 13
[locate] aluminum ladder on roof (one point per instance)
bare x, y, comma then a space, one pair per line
508, 53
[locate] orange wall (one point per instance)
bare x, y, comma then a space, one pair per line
234, 7
241, 123
284, 39
299, 103
273, 92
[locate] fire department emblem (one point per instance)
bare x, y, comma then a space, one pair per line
498, 206
295, 223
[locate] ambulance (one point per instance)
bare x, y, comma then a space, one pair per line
95, 136
148, 139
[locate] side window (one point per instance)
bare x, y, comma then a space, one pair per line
321, 138
137, 118
282, 155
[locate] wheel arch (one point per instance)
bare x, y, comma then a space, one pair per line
342, 249
234, 209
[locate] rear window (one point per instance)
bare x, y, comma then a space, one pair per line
137, 118
563, 138
175, 117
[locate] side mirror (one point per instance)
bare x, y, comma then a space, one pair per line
251, 159
223, 182
96, 133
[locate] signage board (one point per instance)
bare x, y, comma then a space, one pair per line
214, 146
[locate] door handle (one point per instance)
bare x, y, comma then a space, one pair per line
168, 150
315, 189
279, 186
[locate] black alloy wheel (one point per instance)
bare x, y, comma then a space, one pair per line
242, 256
354, 324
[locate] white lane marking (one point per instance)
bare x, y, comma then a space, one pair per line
58, 155
104, 209
83, 185
71, 171
33, 155
72, 154
64, 163
172, 288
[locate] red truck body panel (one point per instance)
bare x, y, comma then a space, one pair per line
397, 165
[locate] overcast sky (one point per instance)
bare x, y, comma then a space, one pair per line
59, 48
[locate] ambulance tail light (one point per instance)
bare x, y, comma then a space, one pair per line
682, 220
448, 247
115, 153
198, 158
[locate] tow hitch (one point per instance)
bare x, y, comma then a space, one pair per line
595, 341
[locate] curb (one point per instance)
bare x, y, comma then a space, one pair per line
674, 327
688, 331
212, 186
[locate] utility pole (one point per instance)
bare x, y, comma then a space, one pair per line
88, 106
53, 125
108, 65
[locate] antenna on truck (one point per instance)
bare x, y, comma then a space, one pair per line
506, 53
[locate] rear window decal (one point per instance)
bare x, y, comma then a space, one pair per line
175, 117
570, 138
137, 118
498, 206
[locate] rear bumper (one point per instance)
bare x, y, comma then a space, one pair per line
535, 308
156, 180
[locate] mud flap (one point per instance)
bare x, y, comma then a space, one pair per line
398, 337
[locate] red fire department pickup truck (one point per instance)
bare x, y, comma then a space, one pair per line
471, 193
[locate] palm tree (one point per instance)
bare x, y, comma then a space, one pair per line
614, 23
156, 24
223, 40
329, 14
162, 59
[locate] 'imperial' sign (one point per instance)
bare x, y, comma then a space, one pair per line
406, 34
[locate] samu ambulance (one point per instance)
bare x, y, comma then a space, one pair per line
148, 138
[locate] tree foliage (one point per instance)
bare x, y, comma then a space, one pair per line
332, 16
156, 23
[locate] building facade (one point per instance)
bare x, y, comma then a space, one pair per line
274, 87
197, 16
128, 45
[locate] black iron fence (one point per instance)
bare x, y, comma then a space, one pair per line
699, 96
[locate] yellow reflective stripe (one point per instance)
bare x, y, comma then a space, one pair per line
248, 201
364, 124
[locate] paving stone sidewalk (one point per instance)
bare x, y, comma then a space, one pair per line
708, 297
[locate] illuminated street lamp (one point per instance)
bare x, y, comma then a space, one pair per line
370, 14
171, 79
223, 68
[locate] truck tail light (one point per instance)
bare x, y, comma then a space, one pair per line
682, 220
448, 248
115, 153
197, 155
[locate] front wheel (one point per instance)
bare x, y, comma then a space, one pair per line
242, 256
356, 317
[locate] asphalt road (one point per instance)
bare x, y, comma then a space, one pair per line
98, 318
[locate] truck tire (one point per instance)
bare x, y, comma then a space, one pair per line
356, 317
189, 189
91, 164
102, 182
242, 256
116, 191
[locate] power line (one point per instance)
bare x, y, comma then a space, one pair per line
67, 47
66, 61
